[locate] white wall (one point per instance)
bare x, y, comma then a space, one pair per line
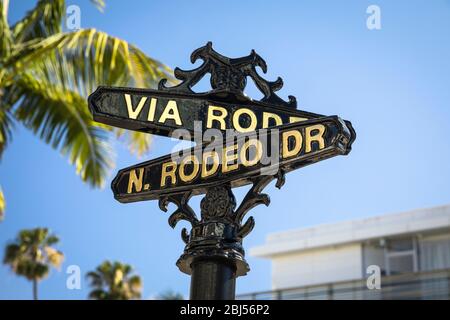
317, 266
340, 233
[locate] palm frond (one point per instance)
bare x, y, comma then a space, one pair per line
6, 125
113, 280
100, 4
32, 270
54, 257
98, 294
97, 58
135, 284
95, 279
8, 97
60, 118
138, 142
44, 20
12, 252
39, 235
117, 276
6, 40
86, 59
170, 295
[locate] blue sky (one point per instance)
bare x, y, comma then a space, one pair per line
393, 84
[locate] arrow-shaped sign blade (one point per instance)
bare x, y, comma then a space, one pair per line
264, 152
160, 112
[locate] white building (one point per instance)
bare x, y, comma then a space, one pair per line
411, 249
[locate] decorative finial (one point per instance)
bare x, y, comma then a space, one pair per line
228, 76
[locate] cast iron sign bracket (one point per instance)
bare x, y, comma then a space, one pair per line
220, 231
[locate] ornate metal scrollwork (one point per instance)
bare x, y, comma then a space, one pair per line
219, 203
228, 76
183, 212
220, 231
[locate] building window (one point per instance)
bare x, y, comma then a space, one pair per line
393, 256
435, 252
401, 256
401, 264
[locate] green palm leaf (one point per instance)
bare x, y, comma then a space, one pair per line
97, 58
100, 4
138, 142
98, 294
40, 22
6, 40
68, 74
6, 124
46, 77
8, 97
59, 117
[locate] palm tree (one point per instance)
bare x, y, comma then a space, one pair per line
170, 295
46, 75
32, 255
114, 281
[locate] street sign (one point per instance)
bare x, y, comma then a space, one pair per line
237, 162
268, 138
160, 112
225, 107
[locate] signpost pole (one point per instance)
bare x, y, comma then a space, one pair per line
212, 279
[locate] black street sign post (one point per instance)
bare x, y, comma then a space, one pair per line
254, 142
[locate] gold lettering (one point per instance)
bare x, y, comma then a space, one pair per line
171, 112
267, 116
133, 114
227, 158
134, 180
237, 125
296, 119
151, 110
286, 153
215, 163
220, 118
195, 167
258, 154
168, 173
318, 137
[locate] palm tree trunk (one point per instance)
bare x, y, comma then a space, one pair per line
35, 291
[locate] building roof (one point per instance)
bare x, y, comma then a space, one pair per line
414, 221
